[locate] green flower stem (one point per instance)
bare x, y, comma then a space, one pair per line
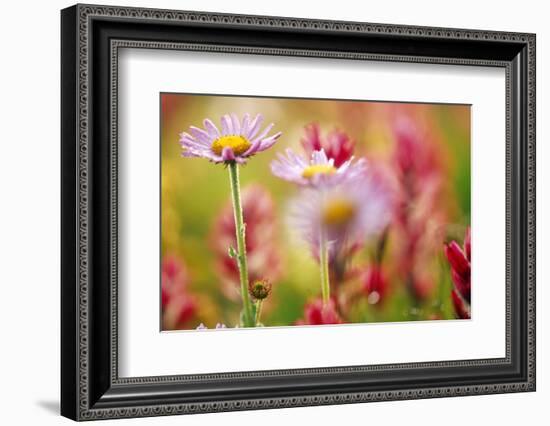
258, 312
323, 263
248, 320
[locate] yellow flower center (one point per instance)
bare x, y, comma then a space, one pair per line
239, 144
316, 169
338, 212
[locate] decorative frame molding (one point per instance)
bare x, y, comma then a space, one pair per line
91, 38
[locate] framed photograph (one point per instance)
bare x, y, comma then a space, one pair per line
263, 212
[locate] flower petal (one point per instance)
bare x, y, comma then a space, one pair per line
200, 134
194, 145
462, 284
187, 138
253, 149
254, 126
236, 124
227, 126
319, 157
244, 125
468, 244
211, 128
269, 142
263, 134
457, 258
228, 154
461, 307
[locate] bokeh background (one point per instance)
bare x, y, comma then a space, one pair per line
408, 279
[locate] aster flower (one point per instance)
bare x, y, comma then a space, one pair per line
320, 313
319, 170
235, 141
460, 260
337, 145
333, 218
233, 145
346, 213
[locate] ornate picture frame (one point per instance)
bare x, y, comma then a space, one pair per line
91, 38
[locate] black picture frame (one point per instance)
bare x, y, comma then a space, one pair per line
90, 38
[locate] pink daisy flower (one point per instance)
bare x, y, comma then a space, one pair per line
343, 214
236, 141
318, 171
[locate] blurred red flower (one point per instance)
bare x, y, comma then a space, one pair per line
263, 258
315, 313
375, 283
336, 144
459, 258
178, 306
418, 173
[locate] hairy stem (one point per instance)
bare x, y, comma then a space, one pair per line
248, 320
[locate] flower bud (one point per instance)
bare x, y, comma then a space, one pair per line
259, 289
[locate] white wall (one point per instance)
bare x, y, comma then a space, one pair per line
29, 225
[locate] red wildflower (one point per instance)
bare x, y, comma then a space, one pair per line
317, 314
418, 183
174, 274
462, 308
178, 306
375, 283
336, 144
459, 258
